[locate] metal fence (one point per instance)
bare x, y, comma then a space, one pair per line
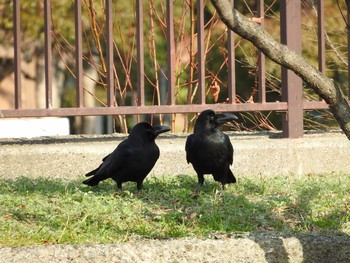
292, 104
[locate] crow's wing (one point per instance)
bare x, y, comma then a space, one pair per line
98, 168
116, 160
189, 148
105, 158
229, 149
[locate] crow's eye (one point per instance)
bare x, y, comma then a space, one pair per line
211, 117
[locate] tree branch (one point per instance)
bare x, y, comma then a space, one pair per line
289, 59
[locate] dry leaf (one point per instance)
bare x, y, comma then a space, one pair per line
215, 90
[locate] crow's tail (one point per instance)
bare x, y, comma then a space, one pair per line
230, 178
92, 181
92, 172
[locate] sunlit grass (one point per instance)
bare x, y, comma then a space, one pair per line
50, 211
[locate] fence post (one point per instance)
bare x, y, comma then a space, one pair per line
348, 30
78, 56
292, 93
140, 55
17, 53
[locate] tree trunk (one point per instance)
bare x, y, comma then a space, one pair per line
287, 58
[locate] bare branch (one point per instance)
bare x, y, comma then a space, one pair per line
289, 59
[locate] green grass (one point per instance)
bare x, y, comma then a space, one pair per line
53, 211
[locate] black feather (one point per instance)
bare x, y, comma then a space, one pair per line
209, 150
133, 158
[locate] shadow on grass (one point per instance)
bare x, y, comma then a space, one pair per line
173, 204
219, 213
51, 186
317, 246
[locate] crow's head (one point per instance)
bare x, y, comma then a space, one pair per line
146, 131
208, 119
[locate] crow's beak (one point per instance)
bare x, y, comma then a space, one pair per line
225, 117
160, 129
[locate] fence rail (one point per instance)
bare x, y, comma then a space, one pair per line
292, 104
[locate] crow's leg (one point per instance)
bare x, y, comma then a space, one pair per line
223, 181
139, 186
223, 185
119, 185
200, 182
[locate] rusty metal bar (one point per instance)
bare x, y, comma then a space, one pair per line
170, 52
131, 110
78, 55
200, 52
315, 105
261, 59
109, 54
17, 53
231, 85
292, 103
292, 123
140, 54
48, 54
321, 37
348, 29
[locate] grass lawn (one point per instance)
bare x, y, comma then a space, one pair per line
55, 211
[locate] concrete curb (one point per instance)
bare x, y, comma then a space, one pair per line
257, 248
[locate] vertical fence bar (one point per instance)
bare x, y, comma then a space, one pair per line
109, 54
261, 58
348, 29
200, 52
292, 123
140, 55
78, 55
17, 53
231, 85
170, 52
48, 54
171, 57
321, 37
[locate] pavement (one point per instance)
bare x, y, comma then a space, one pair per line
258, 154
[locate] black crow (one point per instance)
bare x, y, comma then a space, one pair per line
133, 158
209, 149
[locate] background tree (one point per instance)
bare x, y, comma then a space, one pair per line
282, 55
216, 66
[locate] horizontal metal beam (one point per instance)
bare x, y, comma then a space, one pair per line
129, 110
315, 105
163, 109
